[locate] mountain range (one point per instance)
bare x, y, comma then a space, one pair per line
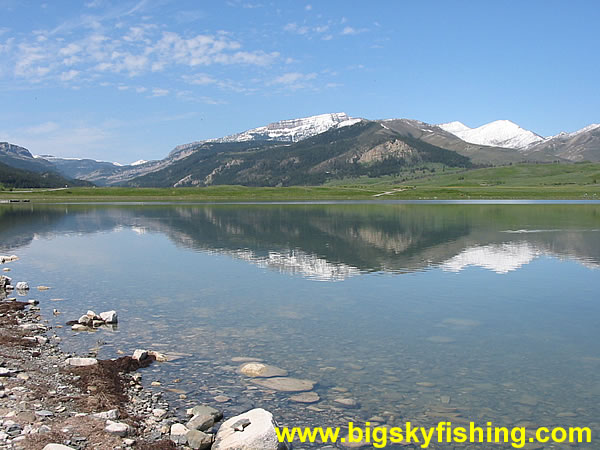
313, 150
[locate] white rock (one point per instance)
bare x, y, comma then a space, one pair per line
22, 286
80, 327
256, 369
85, 320
236, 433
109, 316
140, 355
107, 415
179, 429
57, 447
81, 362
33, 327
159, 413
118, 428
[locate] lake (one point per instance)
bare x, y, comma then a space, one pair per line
414, 311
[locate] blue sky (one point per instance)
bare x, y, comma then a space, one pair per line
130, 80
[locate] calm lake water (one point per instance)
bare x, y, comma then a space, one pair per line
419, 312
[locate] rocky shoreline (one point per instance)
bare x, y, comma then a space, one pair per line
53, 400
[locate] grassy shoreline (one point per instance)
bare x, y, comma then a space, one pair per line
519, 182
319, 193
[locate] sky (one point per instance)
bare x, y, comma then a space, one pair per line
131, 79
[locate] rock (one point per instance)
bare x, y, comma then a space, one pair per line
256, 369
35, 327
116, 428
4, 372
158, 356
44, 413
203, 409
222, 399
306, 397
111, 414
80, 327
285, 384
201, 422
129, 442
159, 413
57, 447
258, 434
22, 286
109, 316
245, 359
81, 362
43, 288
85, 320
178, 433
198, 440
140, 355
346, 402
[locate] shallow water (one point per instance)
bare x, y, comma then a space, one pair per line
495, 306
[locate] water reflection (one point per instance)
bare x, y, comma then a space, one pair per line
335, 242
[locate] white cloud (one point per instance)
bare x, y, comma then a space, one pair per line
43, 128
294, 80
351, 31
158, 92
133, 51
308, 7
200, 79
69, 75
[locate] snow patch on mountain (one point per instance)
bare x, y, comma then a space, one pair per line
500, 133
138, 162
564, 134
292, 130
454, 127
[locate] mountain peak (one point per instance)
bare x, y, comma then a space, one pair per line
452, 127
499, 133
290, 130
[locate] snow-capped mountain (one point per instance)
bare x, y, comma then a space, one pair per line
564, 134
580, 145
293, 130
500, 133
139, 162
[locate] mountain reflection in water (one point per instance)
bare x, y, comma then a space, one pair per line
334, 242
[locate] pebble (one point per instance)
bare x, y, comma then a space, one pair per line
306, 397
285, 384
117, 428
256, 369
81, 362
346, 402
198, 440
